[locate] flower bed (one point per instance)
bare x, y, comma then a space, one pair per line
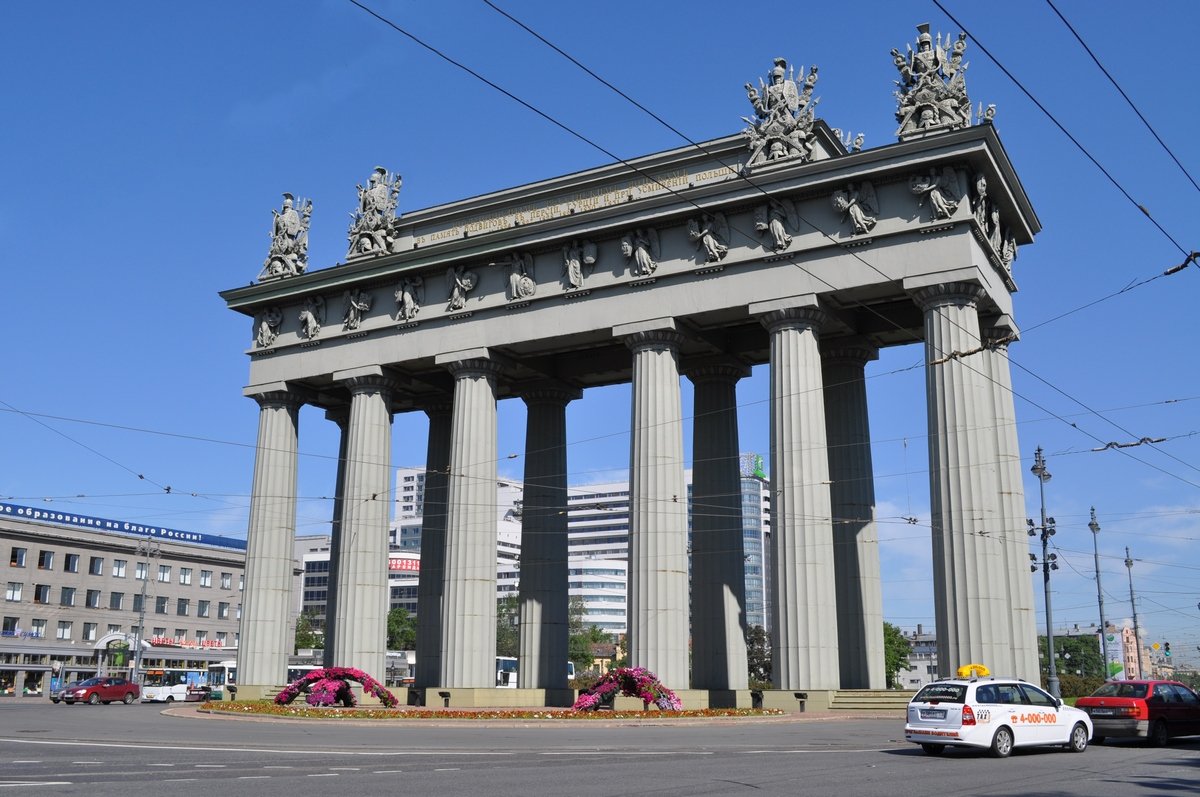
330, 686
630, 681
299, 711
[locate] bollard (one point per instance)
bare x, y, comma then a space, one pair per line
801, 696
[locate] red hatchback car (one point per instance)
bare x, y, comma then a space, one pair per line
102, 690
1152, 710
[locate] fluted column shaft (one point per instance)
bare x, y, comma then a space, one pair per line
968, 550
1023, 642
469, 600
430, 582
852, 497
804, 635
360, 633
718, 561
263, 644
543, 592
658, 558
341, 417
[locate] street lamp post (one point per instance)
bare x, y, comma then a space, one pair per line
1137, 642
1048, 564
149, 549
1095, 527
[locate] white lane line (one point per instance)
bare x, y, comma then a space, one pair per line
387, 772
87, 762
254, 777
278, 766
181, 780
209, 766
25, 784
623, 753
160, 765
447, 769
323, 775
303, 752
31, 761
347, 769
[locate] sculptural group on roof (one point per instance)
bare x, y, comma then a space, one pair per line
932, 89
783, 116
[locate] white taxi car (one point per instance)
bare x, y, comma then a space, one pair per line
992, 713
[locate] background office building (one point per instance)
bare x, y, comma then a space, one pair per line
82, 593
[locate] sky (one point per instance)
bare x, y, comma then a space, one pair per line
145, 145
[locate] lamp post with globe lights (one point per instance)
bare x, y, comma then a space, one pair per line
1048, 563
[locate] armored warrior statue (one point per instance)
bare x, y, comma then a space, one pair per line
932, 89
783, 116
288, 255
370, 230
521, 282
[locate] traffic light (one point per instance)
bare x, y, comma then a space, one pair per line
1166, 648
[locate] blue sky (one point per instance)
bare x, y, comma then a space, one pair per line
146, 144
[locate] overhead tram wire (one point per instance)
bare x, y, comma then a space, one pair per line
1190, 256
1121, 91
1063, 130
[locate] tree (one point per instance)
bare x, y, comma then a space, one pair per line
306, 637
896, 648
758, 656
508, 626
401, 630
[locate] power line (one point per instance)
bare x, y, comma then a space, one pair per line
1061, 128
1121, 91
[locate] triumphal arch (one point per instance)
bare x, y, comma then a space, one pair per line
788, 245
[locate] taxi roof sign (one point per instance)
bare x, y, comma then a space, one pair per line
973, 671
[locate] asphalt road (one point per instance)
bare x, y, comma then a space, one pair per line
118, 750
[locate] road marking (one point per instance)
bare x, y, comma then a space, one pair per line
447, 769
160, 765
24, 784
31, 761
348, 769
387, 772
254, 777
302, 752
209, 766
87, 762
323, 775
278, 766
574, 753
180, 780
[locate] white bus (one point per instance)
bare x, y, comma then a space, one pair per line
506, 672
222, 676
168, 684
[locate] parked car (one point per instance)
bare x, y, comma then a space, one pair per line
102, 690
57, 694
1152, 710
996, 714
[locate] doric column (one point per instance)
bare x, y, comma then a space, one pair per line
340, 416
360, 633
263, 643
469, 600
430, 582
1023, 649
852, 497
718, 561
543, 590
804, 636
968, 549
658, 557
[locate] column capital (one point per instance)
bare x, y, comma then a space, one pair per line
653, 339
948, 293
800, 317
436, 407
368, 383
282, 396
857, 353
339, 415
717, 372
999, 332
548, 394
473, 366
